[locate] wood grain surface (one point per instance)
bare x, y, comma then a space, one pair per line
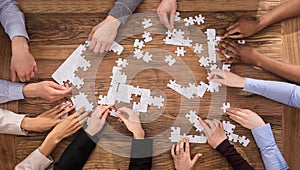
56, 28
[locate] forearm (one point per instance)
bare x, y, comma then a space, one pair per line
269, 151
287, 71
288, 9
232, 156
286, 93
77, 153
141, 154
12, 19
10, 91
123, 9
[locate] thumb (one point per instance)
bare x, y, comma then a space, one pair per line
196, 157
122, 117
57, 86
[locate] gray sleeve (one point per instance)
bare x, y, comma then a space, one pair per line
124, 9
10, 91
12, 19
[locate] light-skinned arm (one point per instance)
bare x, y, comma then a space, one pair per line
246, 27
38, 158
182, 157
103, 34
282, 92
263, 136
165, 8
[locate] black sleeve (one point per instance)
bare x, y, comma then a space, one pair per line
141, 154
77, 153
233, 157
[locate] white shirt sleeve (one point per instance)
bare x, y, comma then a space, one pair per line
35, 161
10, 123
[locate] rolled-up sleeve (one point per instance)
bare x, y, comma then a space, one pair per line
12, 19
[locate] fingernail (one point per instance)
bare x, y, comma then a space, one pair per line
200, 154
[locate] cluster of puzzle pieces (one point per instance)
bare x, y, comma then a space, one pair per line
176, 136
194, 119
119, 91
190, 91
229, 129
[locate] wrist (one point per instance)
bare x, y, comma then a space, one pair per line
114, 20
26, 124
19, 42
262, 22
48, 145
139, 135
29, 90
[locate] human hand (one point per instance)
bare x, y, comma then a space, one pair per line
103, 34
226, 78
241, 53
214, 132
167, 7
244, 27
182, 157
22, 64
132, 122
47, 90
245, 117
64, 129
46, 120
97, 121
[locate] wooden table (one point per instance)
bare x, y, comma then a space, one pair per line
56, 28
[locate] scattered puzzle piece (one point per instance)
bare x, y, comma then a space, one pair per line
244, 141
228, 127
80, 101
225, 107
138, 44
147, 23
122, 62
199, 19
204, 61
147, 57
147, 37
170, 60
180, 51
177, 17
188, 21
198, 48
116, 48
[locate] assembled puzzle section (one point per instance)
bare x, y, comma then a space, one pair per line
119, 91
81, 101
229, 130
190, 91
176, 136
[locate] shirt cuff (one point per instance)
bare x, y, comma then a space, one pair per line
36, 160
120, 12
223, 146
263, 136
16, 91
141, 148
11, 124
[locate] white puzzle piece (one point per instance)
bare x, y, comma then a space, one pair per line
170, 60
244, 141
204, 61
241, 41
122, 62
80, 101
147, 37
198, 48
180, 51
138, 44
177, 17
147, 23
188, 21
225, 107
226, 67
116, 48
199, 19
228, 127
